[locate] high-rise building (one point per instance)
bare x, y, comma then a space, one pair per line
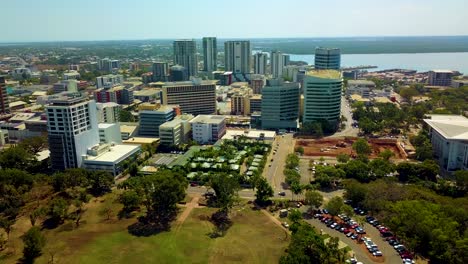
185, 54
260, 63
178, 74
116, 94
257, 82
72, 128
237, 56
440, 77
194, 97
280, 105
277, 64
327, 59
286, 59
290, 73
160, 72
108, 112
322, 96
150, 120
109, 65
4, 102
210, 54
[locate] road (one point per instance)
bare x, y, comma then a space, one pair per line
349, 129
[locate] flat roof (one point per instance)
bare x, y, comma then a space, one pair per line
442, 71
208, 119
325, 74
189, 83
140, 140
146, 92
17, 103
449, 126
105, 125
364, 82
230, 133
116, 153
127, 128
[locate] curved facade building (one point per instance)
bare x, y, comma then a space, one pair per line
327, 59
322, 96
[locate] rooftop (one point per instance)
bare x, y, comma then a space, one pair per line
449, 126
442, 71
146, 92
360, 82
140, 140
325, 74
190, 83
208, 119
115, 153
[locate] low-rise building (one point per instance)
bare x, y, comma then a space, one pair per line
459, 83
449, 138
440, 77
109, 157
177, 131
151, 119
109, 133
208, 128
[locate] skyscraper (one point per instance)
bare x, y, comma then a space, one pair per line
260, 63
160, 72
237, 56
322, 96
72, 128
4, 102
185, 54
280, 105
327, 59
277, 64
210, 55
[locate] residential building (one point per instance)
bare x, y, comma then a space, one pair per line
327, 59
109, 157
150, 120
260, 63
194, 97
176, 131
160, 72
185, 54
72, 129
116, 94
4, 102
280, 105
290, 73
237, 56
210, 54
449, 138
110, 133
208, 128
108, 112
255, 103
360, 87
322, 96
109, 65
240, 103
70, 75
257, 82
108, 81
178, 74
65, 86
440, 77
286, 59
74, 67
277, 64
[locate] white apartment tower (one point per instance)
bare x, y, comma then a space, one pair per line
72, 128
210, 54
277, 64
260, 63
237, 56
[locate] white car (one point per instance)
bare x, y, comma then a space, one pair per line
285, 224
377, 253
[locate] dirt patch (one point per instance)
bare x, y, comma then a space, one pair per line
332, 147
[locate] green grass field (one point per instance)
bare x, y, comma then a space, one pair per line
253, 238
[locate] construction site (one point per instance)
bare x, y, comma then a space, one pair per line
331, 147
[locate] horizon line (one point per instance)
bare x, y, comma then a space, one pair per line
248, 38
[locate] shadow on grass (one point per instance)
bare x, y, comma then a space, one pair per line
152, 225
221, 222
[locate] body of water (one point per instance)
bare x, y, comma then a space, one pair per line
457, 61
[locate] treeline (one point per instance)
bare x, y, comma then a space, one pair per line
431, 225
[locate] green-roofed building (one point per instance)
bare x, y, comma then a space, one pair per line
322, 96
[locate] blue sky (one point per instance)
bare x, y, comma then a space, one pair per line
52, 20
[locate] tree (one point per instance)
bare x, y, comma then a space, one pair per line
106, 211
101, 182
313, 198
380, 168
126, 116
130, 200
357, 169
34, 241
408, 93
335, 205
355, 192
296, 188
299, 150
362, 147
133, 169
34, 144
36, 214
58, 210
7, 225
16, 157
295, 216
69, 178
386, 154
264, 191
461, 179
342, 158
225, 187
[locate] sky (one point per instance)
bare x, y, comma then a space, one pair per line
67, 20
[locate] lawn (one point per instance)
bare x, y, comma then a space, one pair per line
253, 238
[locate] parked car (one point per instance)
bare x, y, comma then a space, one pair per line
285, 224
282, 193
354, 236
377, 253
349, 234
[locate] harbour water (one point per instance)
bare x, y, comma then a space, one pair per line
457, 61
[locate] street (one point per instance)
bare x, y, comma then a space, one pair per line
283, 145
347, 113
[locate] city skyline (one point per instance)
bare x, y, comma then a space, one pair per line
157, 20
